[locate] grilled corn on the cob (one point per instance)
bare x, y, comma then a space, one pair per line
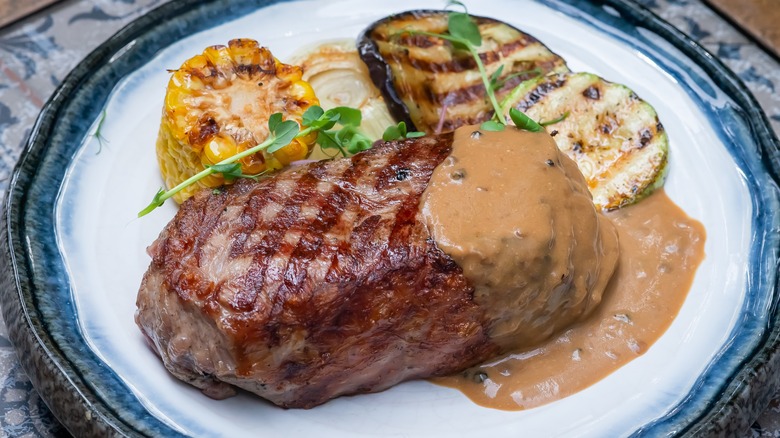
218, 103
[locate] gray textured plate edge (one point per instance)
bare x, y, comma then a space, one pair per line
81, 409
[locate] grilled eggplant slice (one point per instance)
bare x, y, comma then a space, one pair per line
614, 136
435, 88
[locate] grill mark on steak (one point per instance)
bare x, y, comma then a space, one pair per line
326, 209
312, 246
307, 248
248, 220
271, 242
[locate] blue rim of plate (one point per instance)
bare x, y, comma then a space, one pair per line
91, 400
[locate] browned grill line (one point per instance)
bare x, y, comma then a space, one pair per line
539, 92
212, 212
273, 239
473, 92
310, 245
249, 220
465, 63
345, 185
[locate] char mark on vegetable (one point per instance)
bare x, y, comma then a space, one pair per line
540, 92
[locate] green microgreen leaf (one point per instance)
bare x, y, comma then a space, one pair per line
492, 125
327, 140
274, 121
495, 79
346, 116
461, 25
229, 171
311, 115
283, 133
399, 132
522, 121
358, 143
326, 121
395, 132
560, 118
391, 133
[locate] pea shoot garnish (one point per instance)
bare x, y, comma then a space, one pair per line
347, 140
463, 33
98, 134
399, 132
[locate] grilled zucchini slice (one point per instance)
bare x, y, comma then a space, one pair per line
614, 136
218, 103
435, 88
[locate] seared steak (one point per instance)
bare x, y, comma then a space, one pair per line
318, 282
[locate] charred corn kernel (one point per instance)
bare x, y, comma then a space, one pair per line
219, 148
218, 104
294, 151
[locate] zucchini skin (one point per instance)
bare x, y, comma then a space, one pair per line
434, 79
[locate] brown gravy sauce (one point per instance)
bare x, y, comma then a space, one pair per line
539, 262
660, 248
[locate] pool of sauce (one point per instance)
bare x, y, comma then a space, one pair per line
595, 331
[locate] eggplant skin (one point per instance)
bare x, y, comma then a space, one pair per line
434, 88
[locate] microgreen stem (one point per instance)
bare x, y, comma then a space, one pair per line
488, 88
305, 131
98, 134
164, 196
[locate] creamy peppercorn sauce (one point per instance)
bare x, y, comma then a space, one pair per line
570, 294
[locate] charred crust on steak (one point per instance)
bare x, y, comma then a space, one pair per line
318, 282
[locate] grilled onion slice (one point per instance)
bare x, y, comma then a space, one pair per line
340, 78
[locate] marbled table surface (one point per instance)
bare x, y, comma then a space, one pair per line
38, 52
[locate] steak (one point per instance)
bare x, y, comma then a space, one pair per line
318, 282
